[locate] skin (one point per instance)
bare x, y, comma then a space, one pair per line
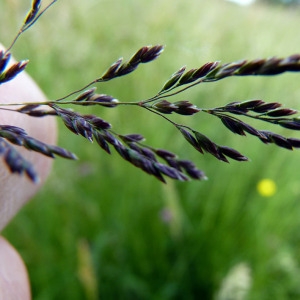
16, 190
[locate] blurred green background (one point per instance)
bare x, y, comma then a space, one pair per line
101, 229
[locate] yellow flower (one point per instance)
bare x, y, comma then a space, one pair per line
266, 187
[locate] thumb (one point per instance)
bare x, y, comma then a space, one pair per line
14, 282
15, 189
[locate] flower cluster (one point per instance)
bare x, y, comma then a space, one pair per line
160, 163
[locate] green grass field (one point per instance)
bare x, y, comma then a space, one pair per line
101, 229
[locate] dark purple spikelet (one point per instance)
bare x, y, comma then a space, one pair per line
182, 107
281, 112
229, 69
164, 107
181, 77
15, 162
97, 122
295, 143
35, 7
86, 94
251, 130
37, 146
232, 153
143, 55
250, 104
61, 152
14, 129
148, 153
271, 137
206, 72
171, 172
101, 141
83, 127
165, 153
151, 53
136, 58
41, 113
173, 79
4, 59
205, 69
111, 139
28, 108
68, 121
233, 125
173, 162
192, 170
185, 107
13, 137
206, 144
134, 137
190, 138
126, 68
112, 70
13, 71
241, 108
293, 124
135, 147
187, 77
31, 110
265, 107
101, 99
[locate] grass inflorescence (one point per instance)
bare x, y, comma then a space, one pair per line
145, 239
131, 147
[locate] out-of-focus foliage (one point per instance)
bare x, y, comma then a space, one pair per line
285, 2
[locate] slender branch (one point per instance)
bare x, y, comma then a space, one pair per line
177, 125
77, 91
27, 26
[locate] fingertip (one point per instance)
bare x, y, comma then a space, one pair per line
14, 281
